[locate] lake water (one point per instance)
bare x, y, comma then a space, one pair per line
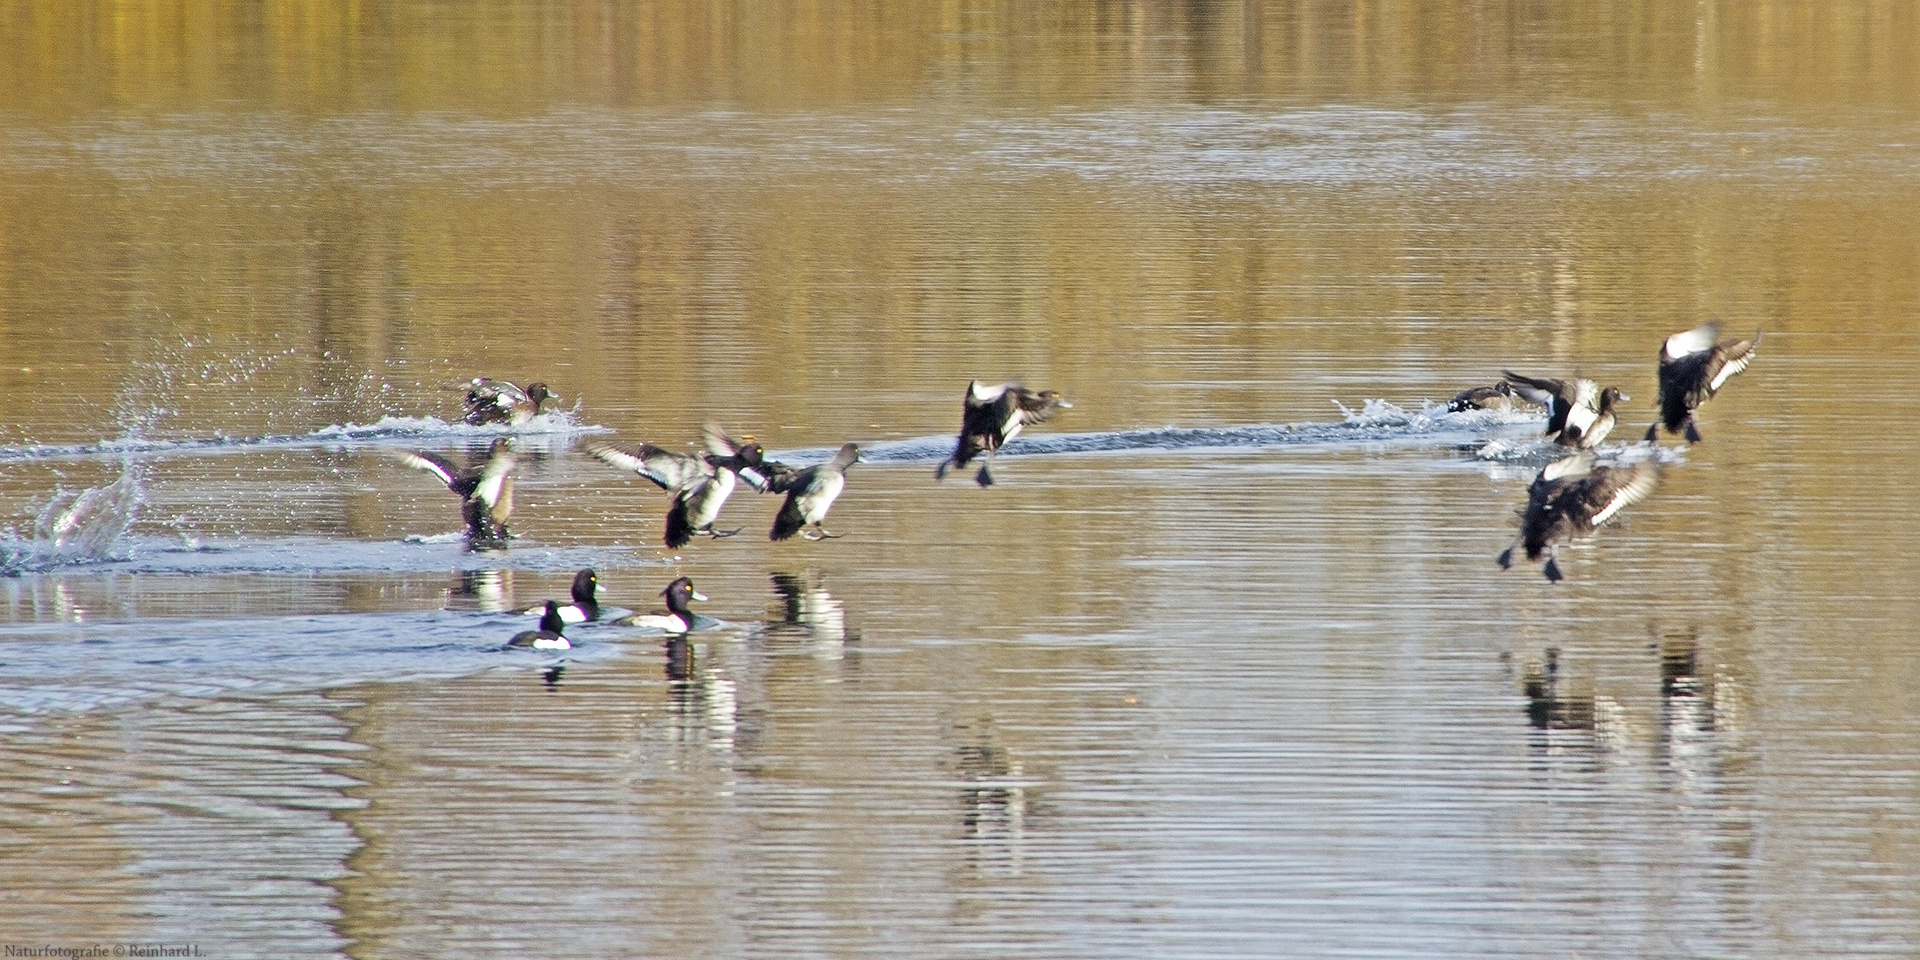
1222, 667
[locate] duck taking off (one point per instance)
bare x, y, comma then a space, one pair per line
810, 493
485, 488
497, 401
700, 484
991, 416
1569, 499
1693, 368
1579, 413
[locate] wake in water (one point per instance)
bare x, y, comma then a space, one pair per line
74, 528
554, 424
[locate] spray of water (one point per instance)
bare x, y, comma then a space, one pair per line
73, 528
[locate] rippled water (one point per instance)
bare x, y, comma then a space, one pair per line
1223, 666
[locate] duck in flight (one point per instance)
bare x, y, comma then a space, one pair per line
992, 416
1693, 367
1579, 413
485, 488
810, 494
1570, 498
699, 483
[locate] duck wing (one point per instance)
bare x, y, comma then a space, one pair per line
1729, 359
1611, 489
451, 474
668, 470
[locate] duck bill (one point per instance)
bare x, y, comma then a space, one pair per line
697, 595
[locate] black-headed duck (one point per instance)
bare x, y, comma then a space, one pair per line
1693, 367
1570, 498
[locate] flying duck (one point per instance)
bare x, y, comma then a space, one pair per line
811, 493
485, 489
700, 484
1579, 414
497, 401
1570, 498
586, 599
677, 617
991, 416
1693, 368
548, 637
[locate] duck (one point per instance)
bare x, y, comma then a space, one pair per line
700, 485
1570, 498
992, 416
1579, 414
485, 488
810, 493
498, 401
586, 599
1693, 367
1499, 396
677, 617
549, 636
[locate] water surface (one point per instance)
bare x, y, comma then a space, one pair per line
1223, 666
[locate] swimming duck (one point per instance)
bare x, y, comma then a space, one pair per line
1496, 397
811, 493
549, 636
700, 485
677, 617
586, 599
1570, 498
1579, 414
1693, 368
497, 401
991, 416
485, 489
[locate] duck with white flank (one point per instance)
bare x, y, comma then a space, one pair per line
700, 485
677, 617
992, 416
549, 636
1570, 498
1579, 414
497, 401
810, 493
586, 599
1693, 368
485, 488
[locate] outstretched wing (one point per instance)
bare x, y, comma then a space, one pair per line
1692, 341
1615, 488
669, 470
1733, 357
433, 463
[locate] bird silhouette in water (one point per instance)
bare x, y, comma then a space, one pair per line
1570, 498
810, 494
699, 484
1693, 367
992, 416
485, 488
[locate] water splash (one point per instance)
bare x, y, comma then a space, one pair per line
89, 526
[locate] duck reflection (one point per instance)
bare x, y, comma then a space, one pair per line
1694, 709
703, 700
809, 614
1549, 706
484, 591
993, 804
